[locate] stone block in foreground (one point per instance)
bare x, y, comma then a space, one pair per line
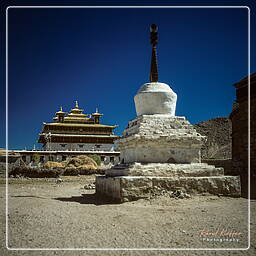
129, 188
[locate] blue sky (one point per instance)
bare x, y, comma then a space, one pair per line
101, 57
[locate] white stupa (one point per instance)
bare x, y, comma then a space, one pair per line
159, 150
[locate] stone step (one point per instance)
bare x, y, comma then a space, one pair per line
166, 170
129, 188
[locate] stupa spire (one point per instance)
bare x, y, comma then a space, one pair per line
76, 104
154, 68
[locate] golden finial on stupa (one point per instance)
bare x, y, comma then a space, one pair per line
61, 109
97, 110
76, 104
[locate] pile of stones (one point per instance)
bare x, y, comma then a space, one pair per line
176, 194
179, 194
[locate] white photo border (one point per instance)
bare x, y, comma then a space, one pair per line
128, 249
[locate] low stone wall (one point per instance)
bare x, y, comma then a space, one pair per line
41, 172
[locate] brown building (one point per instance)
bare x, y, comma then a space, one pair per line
240, 127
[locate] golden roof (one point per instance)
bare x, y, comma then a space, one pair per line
76, 109
81, 125
76, 115
97, 113
60, 112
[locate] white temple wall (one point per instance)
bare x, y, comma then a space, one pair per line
79, 147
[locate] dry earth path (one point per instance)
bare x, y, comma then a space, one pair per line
44, 214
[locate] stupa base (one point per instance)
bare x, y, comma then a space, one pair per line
129, 188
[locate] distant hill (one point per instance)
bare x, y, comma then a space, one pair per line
218, 131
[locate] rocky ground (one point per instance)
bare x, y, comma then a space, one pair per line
50, 213
219, 143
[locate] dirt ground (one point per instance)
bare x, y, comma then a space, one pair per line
46, 214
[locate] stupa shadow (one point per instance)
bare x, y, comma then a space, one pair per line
88, 199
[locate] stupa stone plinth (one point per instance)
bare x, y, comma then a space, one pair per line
160, 139
161, 151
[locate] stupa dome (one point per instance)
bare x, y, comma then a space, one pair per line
155, 98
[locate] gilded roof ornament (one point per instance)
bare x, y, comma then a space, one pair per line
97, 113
76, 110
60, 111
